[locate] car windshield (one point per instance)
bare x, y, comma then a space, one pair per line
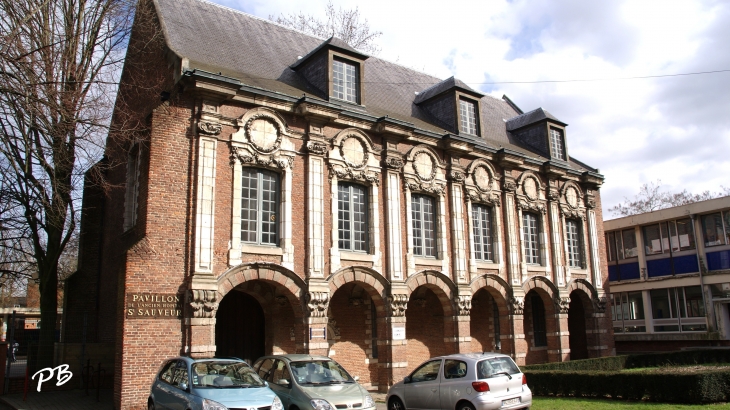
496, 366
317, 372
224, 374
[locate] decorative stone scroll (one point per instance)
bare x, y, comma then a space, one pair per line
516, 305
561, 304
317, 303
485, 198
263, 133
457, 176
599, 304
245, 156
351, 174
394, 162
532, 206
316, 147
398, 304
209, 128
572, 213
463, 303
432, 188
204, 302
509, 184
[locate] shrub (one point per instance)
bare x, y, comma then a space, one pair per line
615, 363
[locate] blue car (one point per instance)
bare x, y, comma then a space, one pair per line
184, 383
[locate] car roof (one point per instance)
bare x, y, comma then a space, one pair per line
474, 356
296, 357
190, 360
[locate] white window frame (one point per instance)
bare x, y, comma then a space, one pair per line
260, 172
574, 243
525, 241
422, 219
557, 144
468, 116
478, 238
351, 218
349, 84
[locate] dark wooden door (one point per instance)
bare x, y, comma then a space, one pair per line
240, 327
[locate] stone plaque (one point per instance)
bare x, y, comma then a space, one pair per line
481, 178
399, 333
423, 164
353, 152
153, 306
263, 134
530, 188
571, 196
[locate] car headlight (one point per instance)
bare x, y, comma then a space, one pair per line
369, 402
211, 405
319, 404
276, 405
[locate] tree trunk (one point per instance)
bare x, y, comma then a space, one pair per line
49, 307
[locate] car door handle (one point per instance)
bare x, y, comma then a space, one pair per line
433, 390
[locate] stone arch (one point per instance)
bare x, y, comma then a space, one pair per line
541, 284
493, 176
435, 280
491, 281
267, 113
370, 280
290, 282
410, 156
354, 132
582, 338
584, 286
486, 323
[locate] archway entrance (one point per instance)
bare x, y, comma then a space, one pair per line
425, 330
240, 327
539, 325
488, 322
580, 323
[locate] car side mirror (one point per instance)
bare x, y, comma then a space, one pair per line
356, 378
406, 379
183, 386
284, 382
266, 383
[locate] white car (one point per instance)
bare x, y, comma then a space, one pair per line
470, 381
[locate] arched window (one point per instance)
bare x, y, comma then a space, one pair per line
259, 206
423, 213
352, 217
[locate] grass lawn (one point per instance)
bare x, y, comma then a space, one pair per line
549, 403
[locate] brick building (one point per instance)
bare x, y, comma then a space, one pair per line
670, 277
291, 194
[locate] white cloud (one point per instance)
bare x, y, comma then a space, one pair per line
675, 129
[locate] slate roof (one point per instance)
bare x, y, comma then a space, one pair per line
447, 84
529, 118
259, 53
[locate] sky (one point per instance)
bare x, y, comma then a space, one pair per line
674, 128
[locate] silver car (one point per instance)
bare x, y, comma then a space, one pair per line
184, 383
305, 382
470, 381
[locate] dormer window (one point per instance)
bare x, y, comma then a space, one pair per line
344, 81
467, 111
556, 144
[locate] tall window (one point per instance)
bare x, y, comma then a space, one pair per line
716, 228
572, 233
132, 192
423, 214
621, 245
538, 321
344, 84
482, 229
669, 236
530, 232
352, 224
259, 206
468, 113
556, 144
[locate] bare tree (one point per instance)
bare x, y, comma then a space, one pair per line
343, 24
652, 198
59, 64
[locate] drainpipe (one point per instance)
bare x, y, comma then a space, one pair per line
709, 313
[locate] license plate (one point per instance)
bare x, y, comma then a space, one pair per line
510, 402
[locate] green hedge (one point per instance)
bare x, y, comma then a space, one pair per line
705, 387
686, 357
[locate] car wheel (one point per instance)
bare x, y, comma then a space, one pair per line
396, 404
150, 405
467, 406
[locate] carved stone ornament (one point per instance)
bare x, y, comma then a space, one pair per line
349, 173
561, 304
599, 303
204, 302
457, 176
529, 188
463, 303
553, 193
482, 179
425, 166
209, 128
245, 156
353, 152
333, 324
571, 213
263, 133
431, 188
316, 147
532, 206
590, 199
571, 197
398, 304
394, 162
516, 305
482, 197
509, 184
317, 303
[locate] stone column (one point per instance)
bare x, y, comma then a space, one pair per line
559, 341
597, 278
556, 238
462, 320
392, 362
393, 217
315, 206
458, 233
204, 305
512, 229
317, 300
518, 348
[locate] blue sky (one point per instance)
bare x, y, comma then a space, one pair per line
676, 129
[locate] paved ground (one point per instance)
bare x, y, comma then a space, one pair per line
58, 400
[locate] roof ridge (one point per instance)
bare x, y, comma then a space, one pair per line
260, 18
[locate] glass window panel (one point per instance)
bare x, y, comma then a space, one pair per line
530, 238
685, 234
662, 304
652, 239
616, 307
630, 249
352, 213
538, 321
424, 225
573, 238
259, 205
635, 306
726, 214
693, 305
712, 229
482, 230
556, 143
611, 246
468, 117
344, 81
